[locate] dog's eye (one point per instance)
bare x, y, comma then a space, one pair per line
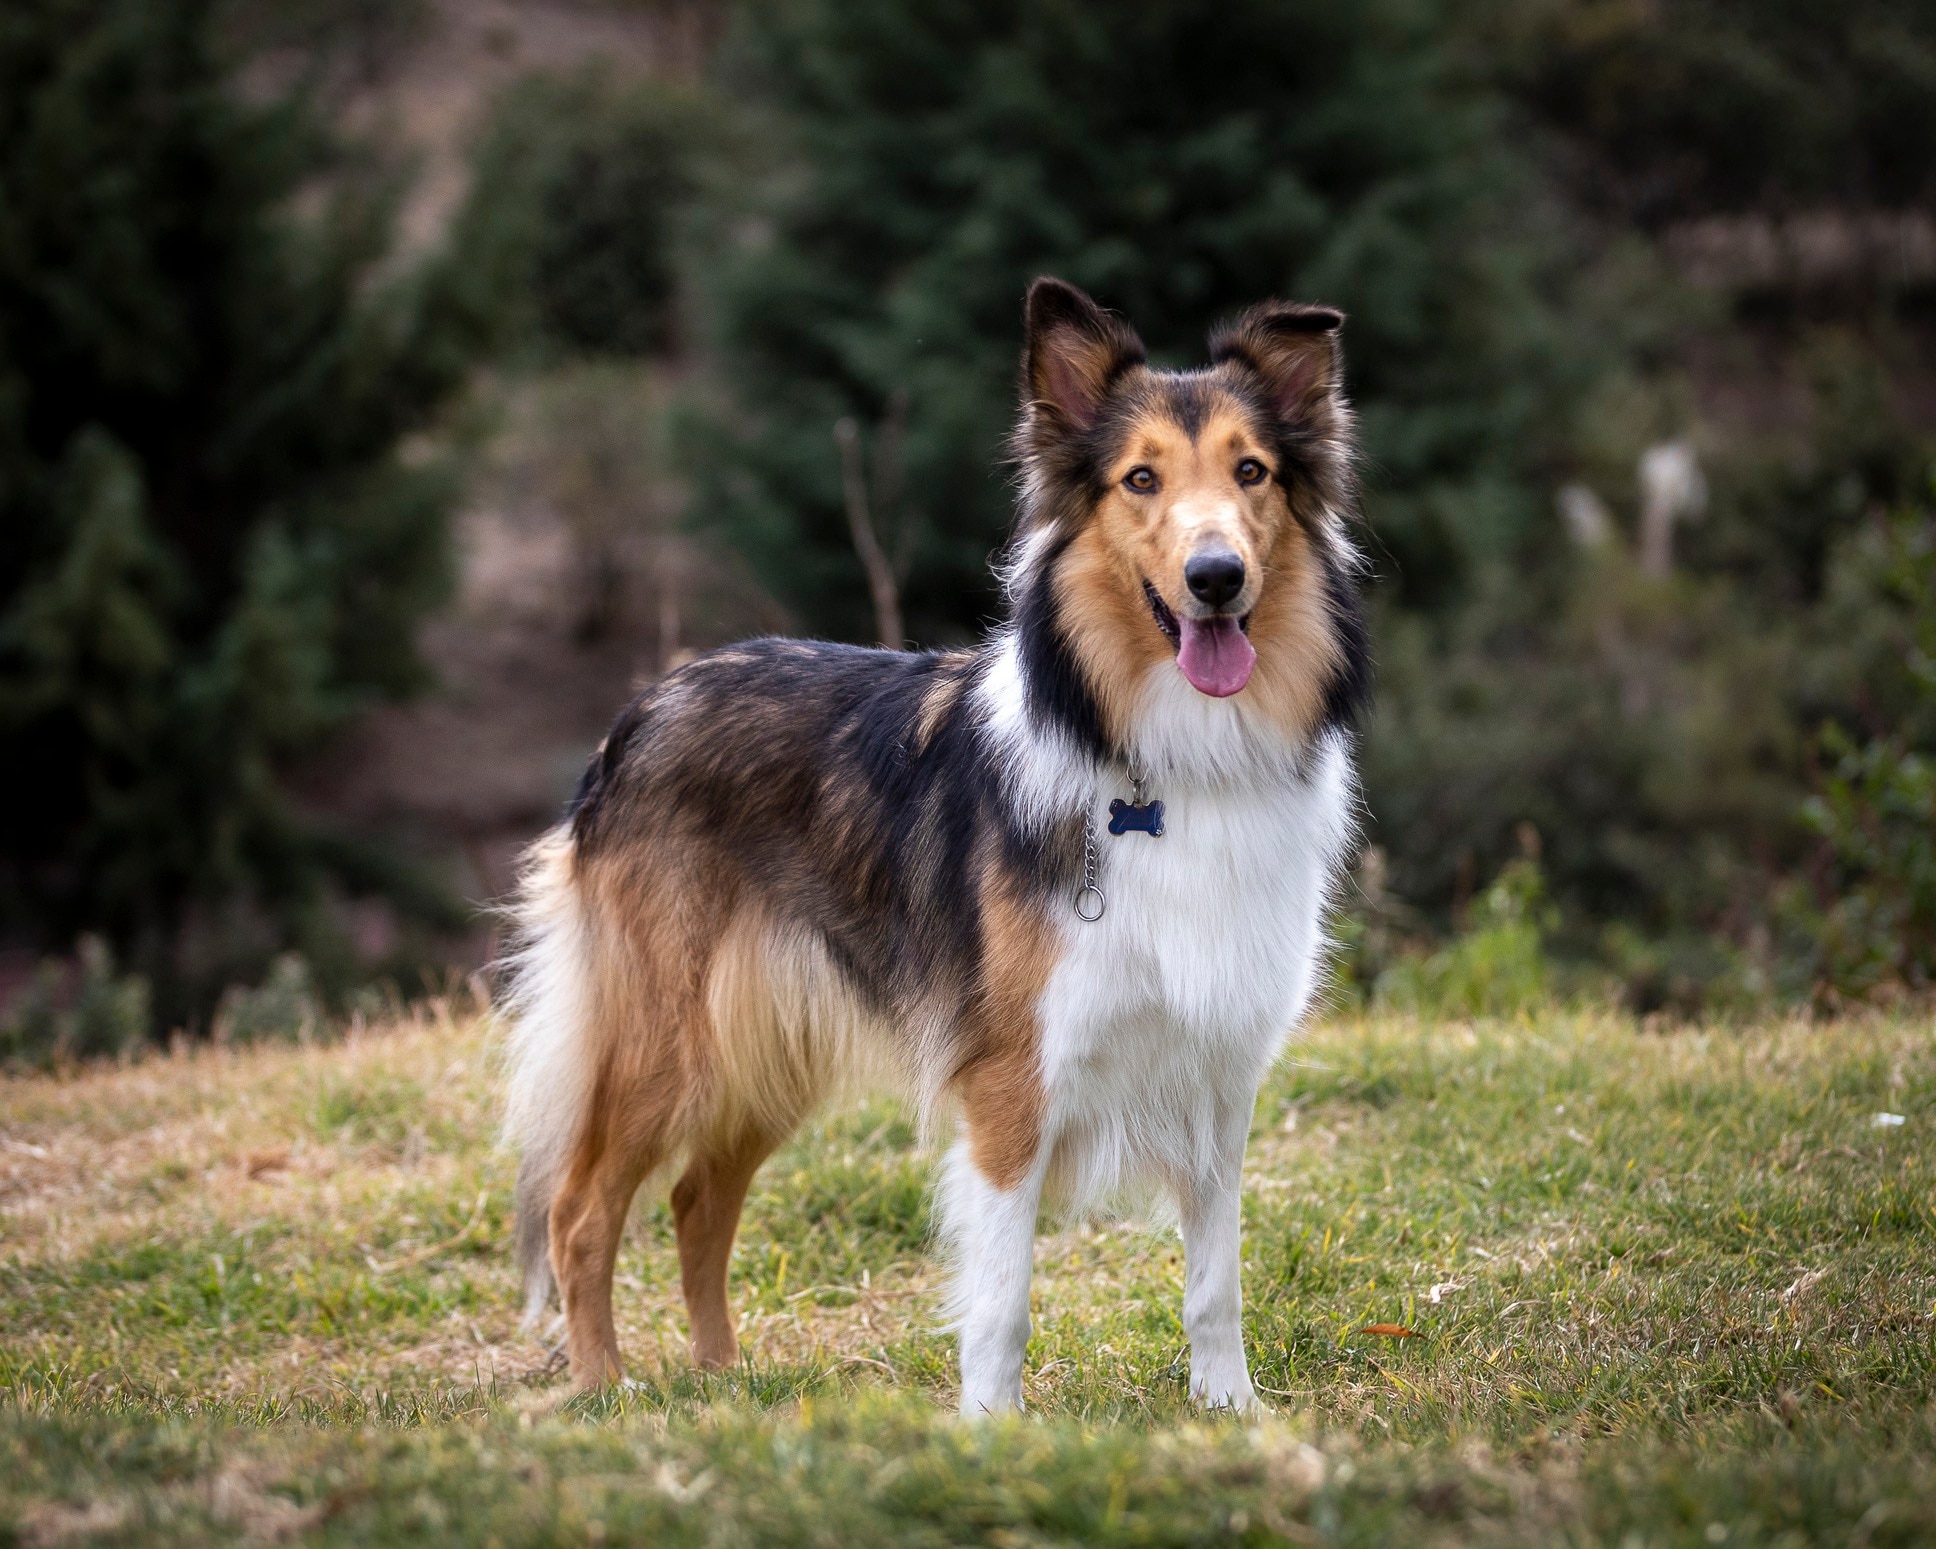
1251, 471
1142, 480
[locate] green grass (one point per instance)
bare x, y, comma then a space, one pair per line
1664, 1287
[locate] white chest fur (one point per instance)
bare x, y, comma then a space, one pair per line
1161, 1017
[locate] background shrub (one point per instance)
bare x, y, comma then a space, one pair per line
84, 1011
211, 554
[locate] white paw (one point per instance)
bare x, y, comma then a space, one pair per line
1229, 1390
978, 1406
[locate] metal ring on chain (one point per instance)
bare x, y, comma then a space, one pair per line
1088, 887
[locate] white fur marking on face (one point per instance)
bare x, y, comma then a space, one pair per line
1193, 516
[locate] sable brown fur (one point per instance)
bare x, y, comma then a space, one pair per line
794, 865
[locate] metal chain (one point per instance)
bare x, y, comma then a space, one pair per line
1089, 895
1089, 890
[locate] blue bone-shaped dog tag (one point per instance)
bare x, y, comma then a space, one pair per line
1136, 817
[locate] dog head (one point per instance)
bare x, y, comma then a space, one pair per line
1194, 516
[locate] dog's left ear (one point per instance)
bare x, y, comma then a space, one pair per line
1295, 350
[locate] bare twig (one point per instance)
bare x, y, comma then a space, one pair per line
898, 533
880, 574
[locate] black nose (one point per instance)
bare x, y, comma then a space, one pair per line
1214, 576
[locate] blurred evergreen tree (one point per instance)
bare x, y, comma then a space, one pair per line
1659, 733
1692, 107
584, 184
1480, 187
211, 549
1179, 159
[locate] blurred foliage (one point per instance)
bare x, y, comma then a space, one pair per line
584, 188
1870, 916
1178, 160
599, 457
85, 1011
330, 44
1696, 106
1370, 931
1477, 186
1496, 961
284, 1007
211, 550
1877, 812
1655, 730
1495, 966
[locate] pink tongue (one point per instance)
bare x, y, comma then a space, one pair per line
1216, 656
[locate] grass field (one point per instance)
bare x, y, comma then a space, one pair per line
1661, 1287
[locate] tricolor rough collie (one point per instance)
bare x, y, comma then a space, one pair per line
1067, 888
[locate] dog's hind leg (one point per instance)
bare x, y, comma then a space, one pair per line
587, 1220
706, 1204
636, 1119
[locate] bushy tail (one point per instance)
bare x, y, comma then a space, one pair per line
548, 1054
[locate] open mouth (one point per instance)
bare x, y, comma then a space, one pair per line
1160, 611
1215, 654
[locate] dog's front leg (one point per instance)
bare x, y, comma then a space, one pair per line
993, 1233
1211, 1207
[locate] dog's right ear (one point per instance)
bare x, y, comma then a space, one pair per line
1074, 353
